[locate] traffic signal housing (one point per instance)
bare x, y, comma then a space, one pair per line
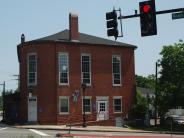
148, 18
112, 24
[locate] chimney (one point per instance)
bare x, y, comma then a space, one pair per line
73, 25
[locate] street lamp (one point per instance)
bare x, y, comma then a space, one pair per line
84, 113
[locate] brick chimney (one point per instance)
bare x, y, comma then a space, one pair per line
73, 26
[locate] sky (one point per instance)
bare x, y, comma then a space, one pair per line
39, 18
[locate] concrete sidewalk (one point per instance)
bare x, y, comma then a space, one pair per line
79, 128
91, 128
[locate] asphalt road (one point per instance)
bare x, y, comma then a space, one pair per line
11, 132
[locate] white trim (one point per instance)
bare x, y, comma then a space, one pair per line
117, 97
31, 84
64, 97
63, 53
86, 54
102, 98
87, 97
116, 55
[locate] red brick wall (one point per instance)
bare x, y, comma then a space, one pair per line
48, 89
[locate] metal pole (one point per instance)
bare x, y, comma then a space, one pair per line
156, 95
3, 101
157, 12
84, 112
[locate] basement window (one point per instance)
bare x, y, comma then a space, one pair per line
117, 104
86, 104
64, 105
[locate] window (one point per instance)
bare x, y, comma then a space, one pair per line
63, 104
32, 69
87, 104
116, 70
86, 68
63, 69
117, 105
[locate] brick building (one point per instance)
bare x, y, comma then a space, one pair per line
53, 69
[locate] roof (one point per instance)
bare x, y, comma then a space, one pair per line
146, 91
63, 36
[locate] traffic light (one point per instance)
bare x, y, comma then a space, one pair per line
112, 24
148, 18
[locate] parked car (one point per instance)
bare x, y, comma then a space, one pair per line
175, 119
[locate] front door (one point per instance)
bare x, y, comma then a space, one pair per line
32, 109
102, 110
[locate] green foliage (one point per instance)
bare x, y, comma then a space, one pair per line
171, 82
140, 107
146, 82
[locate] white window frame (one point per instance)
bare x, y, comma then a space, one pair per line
66, 54
120, 84
64, 97
117, 97
87, 97
35, 83
86, 54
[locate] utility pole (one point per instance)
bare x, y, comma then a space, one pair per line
18, 79
156, 94
3, 97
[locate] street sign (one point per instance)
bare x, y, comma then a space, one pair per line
178, 15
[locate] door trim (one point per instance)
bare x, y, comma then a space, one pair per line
35, 108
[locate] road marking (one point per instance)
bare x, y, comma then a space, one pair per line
39, 132
3, 128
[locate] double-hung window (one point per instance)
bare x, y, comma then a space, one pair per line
63, 69
116, 70
64, 105
117, 104
32, 69
87, 104
86, 68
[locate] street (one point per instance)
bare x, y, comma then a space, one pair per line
11, 132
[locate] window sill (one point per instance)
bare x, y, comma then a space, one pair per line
87, 85
63, 84
64, 113
117, 112
87, 113
117, 85
31, 85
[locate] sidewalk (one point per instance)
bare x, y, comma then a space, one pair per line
79, 128
91, 129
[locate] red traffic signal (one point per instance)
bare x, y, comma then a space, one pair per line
146, 8
148, 18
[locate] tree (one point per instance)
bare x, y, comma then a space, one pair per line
140, 107
171, 82
146, 82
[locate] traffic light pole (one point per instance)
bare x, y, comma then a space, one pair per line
158, 12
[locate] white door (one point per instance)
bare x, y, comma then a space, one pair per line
102, 110
32, 109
